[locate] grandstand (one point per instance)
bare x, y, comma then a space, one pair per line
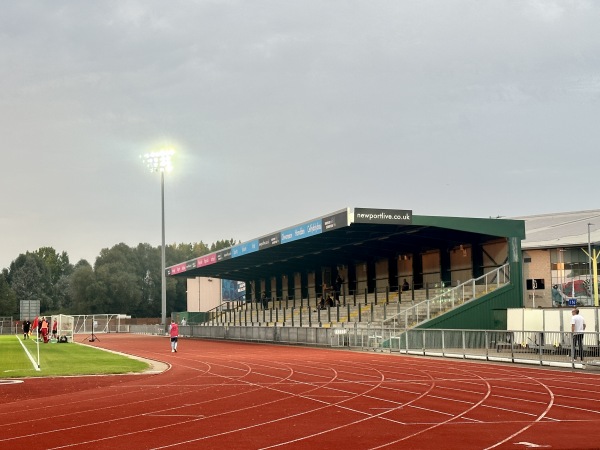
460, 271
464, 275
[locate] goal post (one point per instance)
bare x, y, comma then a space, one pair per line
66, 325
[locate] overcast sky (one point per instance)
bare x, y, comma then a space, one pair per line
282, 111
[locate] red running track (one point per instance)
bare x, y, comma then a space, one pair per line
219, 395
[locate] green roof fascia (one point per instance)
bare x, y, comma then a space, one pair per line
493, 227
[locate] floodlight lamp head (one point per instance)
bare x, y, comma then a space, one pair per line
159, 161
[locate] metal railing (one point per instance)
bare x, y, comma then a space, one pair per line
532, 347
525, 347
449, 298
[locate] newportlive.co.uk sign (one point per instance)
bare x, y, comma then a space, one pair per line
383, 216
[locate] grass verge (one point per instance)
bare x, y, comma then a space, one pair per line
60, 359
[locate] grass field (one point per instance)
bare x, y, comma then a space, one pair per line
59, 359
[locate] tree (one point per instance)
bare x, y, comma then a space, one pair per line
57, 264
122, 280
82, 288
220, 245
120, 273
30, 280
8, 298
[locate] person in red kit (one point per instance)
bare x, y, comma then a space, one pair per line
174, 333
44, 329
54, 329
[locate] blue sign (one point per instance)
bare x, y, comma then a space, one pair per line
302, 231
572, 302
245, 248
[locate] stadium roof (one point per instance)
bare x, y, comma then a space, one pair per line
349, 235
564, 229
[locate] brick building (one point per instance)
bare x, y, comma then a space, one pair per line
556, 265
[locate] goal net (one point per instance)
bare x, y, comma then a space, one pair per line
65, 325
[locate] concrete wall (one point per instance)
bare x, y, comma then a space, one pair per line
538, 268
553, 319
203, 294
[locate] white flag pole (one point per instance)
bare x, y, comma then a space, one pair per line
38, 346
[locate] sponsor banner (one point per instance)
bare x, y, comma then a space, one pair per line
206, 260
190, 265
222, 255
179, 268
245, 248
269, 241
336, 221
382, 216
302, 231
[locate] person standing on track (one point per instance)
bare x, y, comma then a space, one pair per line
174, 333
577, 328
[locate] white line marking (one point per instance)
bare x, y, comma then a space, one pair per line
35, 365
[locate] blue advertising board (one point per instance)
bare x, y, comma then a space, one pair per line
302, 231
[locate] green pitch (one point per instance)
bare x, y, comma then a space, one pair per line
55, 359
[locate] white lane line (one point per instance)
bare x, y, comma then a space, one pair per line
35, 365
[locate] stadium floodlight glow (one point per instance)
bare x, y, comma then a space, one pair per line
160, 161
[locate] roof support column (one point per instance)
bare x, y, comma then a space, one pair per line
417, 262
516, 268
445, 266
290, 286
303, 284
477, 255
351, 279
279, 287
318, 282
393, 281
371, 275
250, 290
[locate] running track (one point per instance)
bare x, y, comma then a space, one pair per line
232, 395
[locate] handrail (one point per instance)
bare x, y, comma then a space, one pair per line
235, 301
451, 297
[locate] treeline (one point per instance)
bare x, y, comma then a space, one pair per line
123, 280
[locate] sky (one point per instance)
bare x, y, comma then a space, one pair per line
281, 111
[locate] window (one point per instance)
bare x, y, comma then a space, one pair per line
535, 283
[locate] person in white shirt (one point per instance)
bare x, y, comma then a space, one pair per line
577, 328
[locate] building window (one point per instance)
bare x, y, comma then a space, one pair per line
535, 283
570, 274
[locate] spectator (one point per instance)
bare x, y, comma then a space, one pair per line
321, 303
577, 328
183, 322
405, 286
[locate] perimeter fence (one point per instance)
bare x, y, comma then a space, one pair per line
518, 346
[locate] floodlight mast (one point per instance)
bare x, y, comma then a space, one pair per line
591, 283
161, 162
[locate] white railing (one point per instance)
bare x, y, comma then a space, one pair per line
450, 298
528, 347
